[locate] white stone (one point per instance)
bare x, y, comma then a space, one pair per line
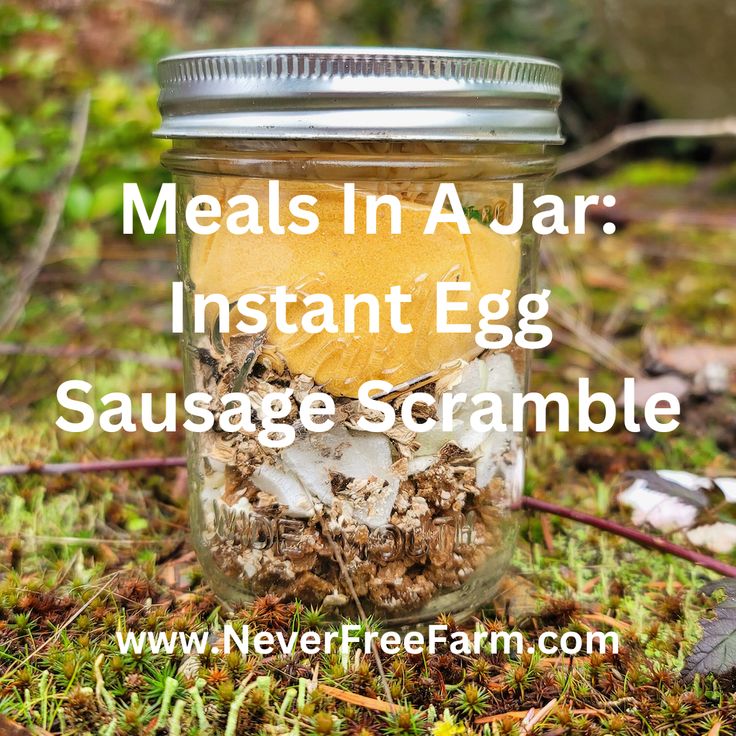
306, 465
421, 463
495, 373
728, 488
313, 457
285, 488
719, 538
664, 512
502, 379
491, 452
688, 480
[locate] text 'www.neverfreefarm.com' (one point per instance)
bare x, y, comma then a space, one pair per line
352, 637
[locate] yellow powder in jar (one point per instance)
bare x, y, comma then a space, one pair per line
333, 263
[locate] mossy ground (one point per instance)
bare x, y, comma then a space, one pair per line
84, 555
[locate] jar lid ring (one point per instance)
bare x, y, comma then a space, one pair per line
336, 93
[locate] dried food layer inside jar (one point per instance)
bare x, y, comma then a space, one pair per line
396, 518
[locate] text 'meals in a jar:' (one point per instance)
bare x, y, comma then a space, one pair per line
203, 213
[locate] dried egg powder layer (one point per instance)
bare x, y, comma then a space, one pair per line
333, 263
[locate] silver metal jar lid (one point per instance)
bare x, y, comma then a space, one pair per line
331, 93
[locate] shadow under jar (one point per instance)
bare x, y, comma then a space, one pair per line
400, 524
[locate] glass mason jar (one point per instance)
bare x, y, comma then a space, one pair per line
401, 524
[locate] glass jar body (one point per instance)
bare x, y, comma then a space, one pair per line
399, 523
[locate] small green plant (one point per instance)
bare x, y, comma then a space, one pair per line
406, 722
472, 700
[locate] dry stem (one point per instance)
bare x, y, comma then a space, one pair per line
641, 538
648, 130
45, 237
80, 352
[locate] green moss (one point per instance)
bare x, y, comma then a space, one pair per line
653, 173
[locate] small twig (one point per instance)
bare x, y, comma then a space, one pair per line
361, 612
606, 619
94, 466
84, 541
534, 717
360, 700
520, 714
648, 130
549, 542
641, 538
67, 351
11, 728
50, 223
